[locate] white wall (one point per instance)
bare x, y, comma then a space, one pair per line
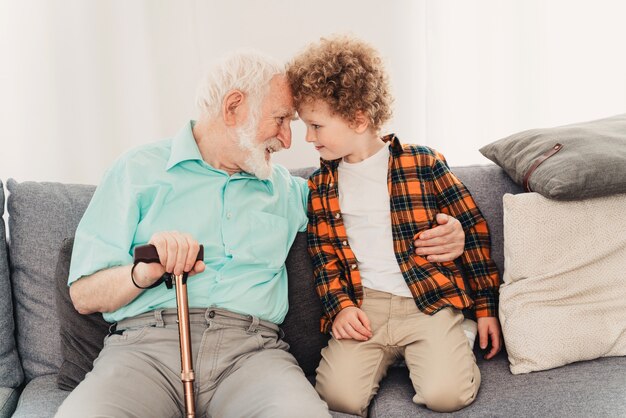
81, 82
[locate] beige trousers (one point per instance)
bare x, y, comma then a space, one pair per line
440, 360
241, 364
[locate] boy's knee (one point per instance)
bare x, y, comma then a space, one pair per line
341, 398
445, 400
447, 397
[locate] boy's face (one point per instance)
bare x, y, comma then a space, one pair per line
331, 134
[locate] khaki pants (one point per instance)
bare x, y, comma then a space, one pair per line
440, 360
242, 369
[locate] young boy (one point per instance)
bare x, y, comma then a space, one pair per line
370, 198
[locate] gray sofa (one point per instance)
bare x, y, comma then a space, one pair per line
42, 215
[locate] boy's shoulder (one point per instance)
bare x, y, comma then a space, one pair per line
320, 176
416, 150
421, 155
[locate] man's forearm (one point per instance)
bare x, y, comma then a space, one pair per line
104, 291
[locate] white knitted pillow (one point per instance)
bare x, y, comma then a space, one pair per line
564, 293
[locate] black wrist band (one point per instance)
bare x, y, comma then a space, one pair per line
155, 284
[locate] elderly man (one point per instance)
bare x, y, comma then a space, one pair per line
215, 181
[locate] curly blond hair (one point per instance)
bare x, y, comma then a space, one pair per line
346, 73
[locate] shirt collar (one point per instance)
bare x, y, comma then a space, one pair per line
394, 144
184, 147
391, 139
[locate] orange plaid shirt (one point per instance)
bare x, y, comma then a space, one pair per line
420, 185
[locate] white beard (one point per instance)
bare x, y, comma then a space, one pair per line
256, 163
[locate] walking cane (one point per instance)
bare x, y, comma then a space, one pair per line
148, 254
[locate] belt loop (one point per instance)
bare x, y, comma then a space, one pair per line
158, 317
254, 325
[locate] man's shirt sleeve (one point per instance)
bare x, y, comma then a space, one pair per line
106, 230
455, 200
303, 188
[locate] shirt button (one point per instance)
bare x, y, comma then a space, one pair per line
229, 215
345, 243
211, 314
353, 266
337, 215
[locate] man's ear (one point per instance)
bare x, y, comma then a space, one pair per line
361, 122
233, 107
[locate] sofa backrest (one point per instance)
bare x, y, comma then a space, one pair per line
11, 374
487, 184
41, 215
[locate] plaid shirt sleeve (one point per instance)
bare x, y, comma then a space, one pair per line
330, 282
455, 200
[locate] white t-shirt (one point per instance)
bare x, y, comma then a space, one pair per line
364, 203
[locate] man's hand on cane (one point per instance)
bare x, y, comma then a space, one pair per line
177, 254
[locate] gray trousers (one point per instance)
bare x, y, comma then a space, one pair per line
241, 364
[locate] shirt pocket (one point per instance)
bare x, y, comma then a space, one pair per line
267, 243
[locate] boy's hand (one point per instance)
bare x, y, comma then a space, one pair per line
444, 242
352, 324
489, 328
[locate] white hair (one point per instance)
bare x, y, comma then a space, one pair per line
247, 70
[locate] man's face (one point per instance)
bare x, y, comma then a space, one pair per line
270, 131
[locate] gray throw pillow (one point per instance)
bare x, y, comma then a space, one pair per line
591, 161
41, 216
82, 336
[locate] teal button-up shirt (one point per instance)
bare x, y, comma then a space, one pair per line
247, 226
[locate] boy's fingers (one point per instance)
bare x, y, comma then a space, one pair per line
496, 343
354, 334
362, 317
363, 332
336, 332
483, 335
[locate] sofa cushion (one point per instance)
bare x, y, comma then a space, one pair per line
40, 398
595, 388
8, 401
11, 374
41, 215
564, 293
82, 336
590, 163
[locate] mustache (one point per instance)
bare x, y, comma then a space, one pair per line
273, 144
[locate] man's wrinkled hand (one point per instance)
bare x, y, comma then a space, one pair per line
177, 252
444, 242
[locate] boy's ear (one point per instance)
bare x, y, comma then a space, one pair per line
361, 122
233, 107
